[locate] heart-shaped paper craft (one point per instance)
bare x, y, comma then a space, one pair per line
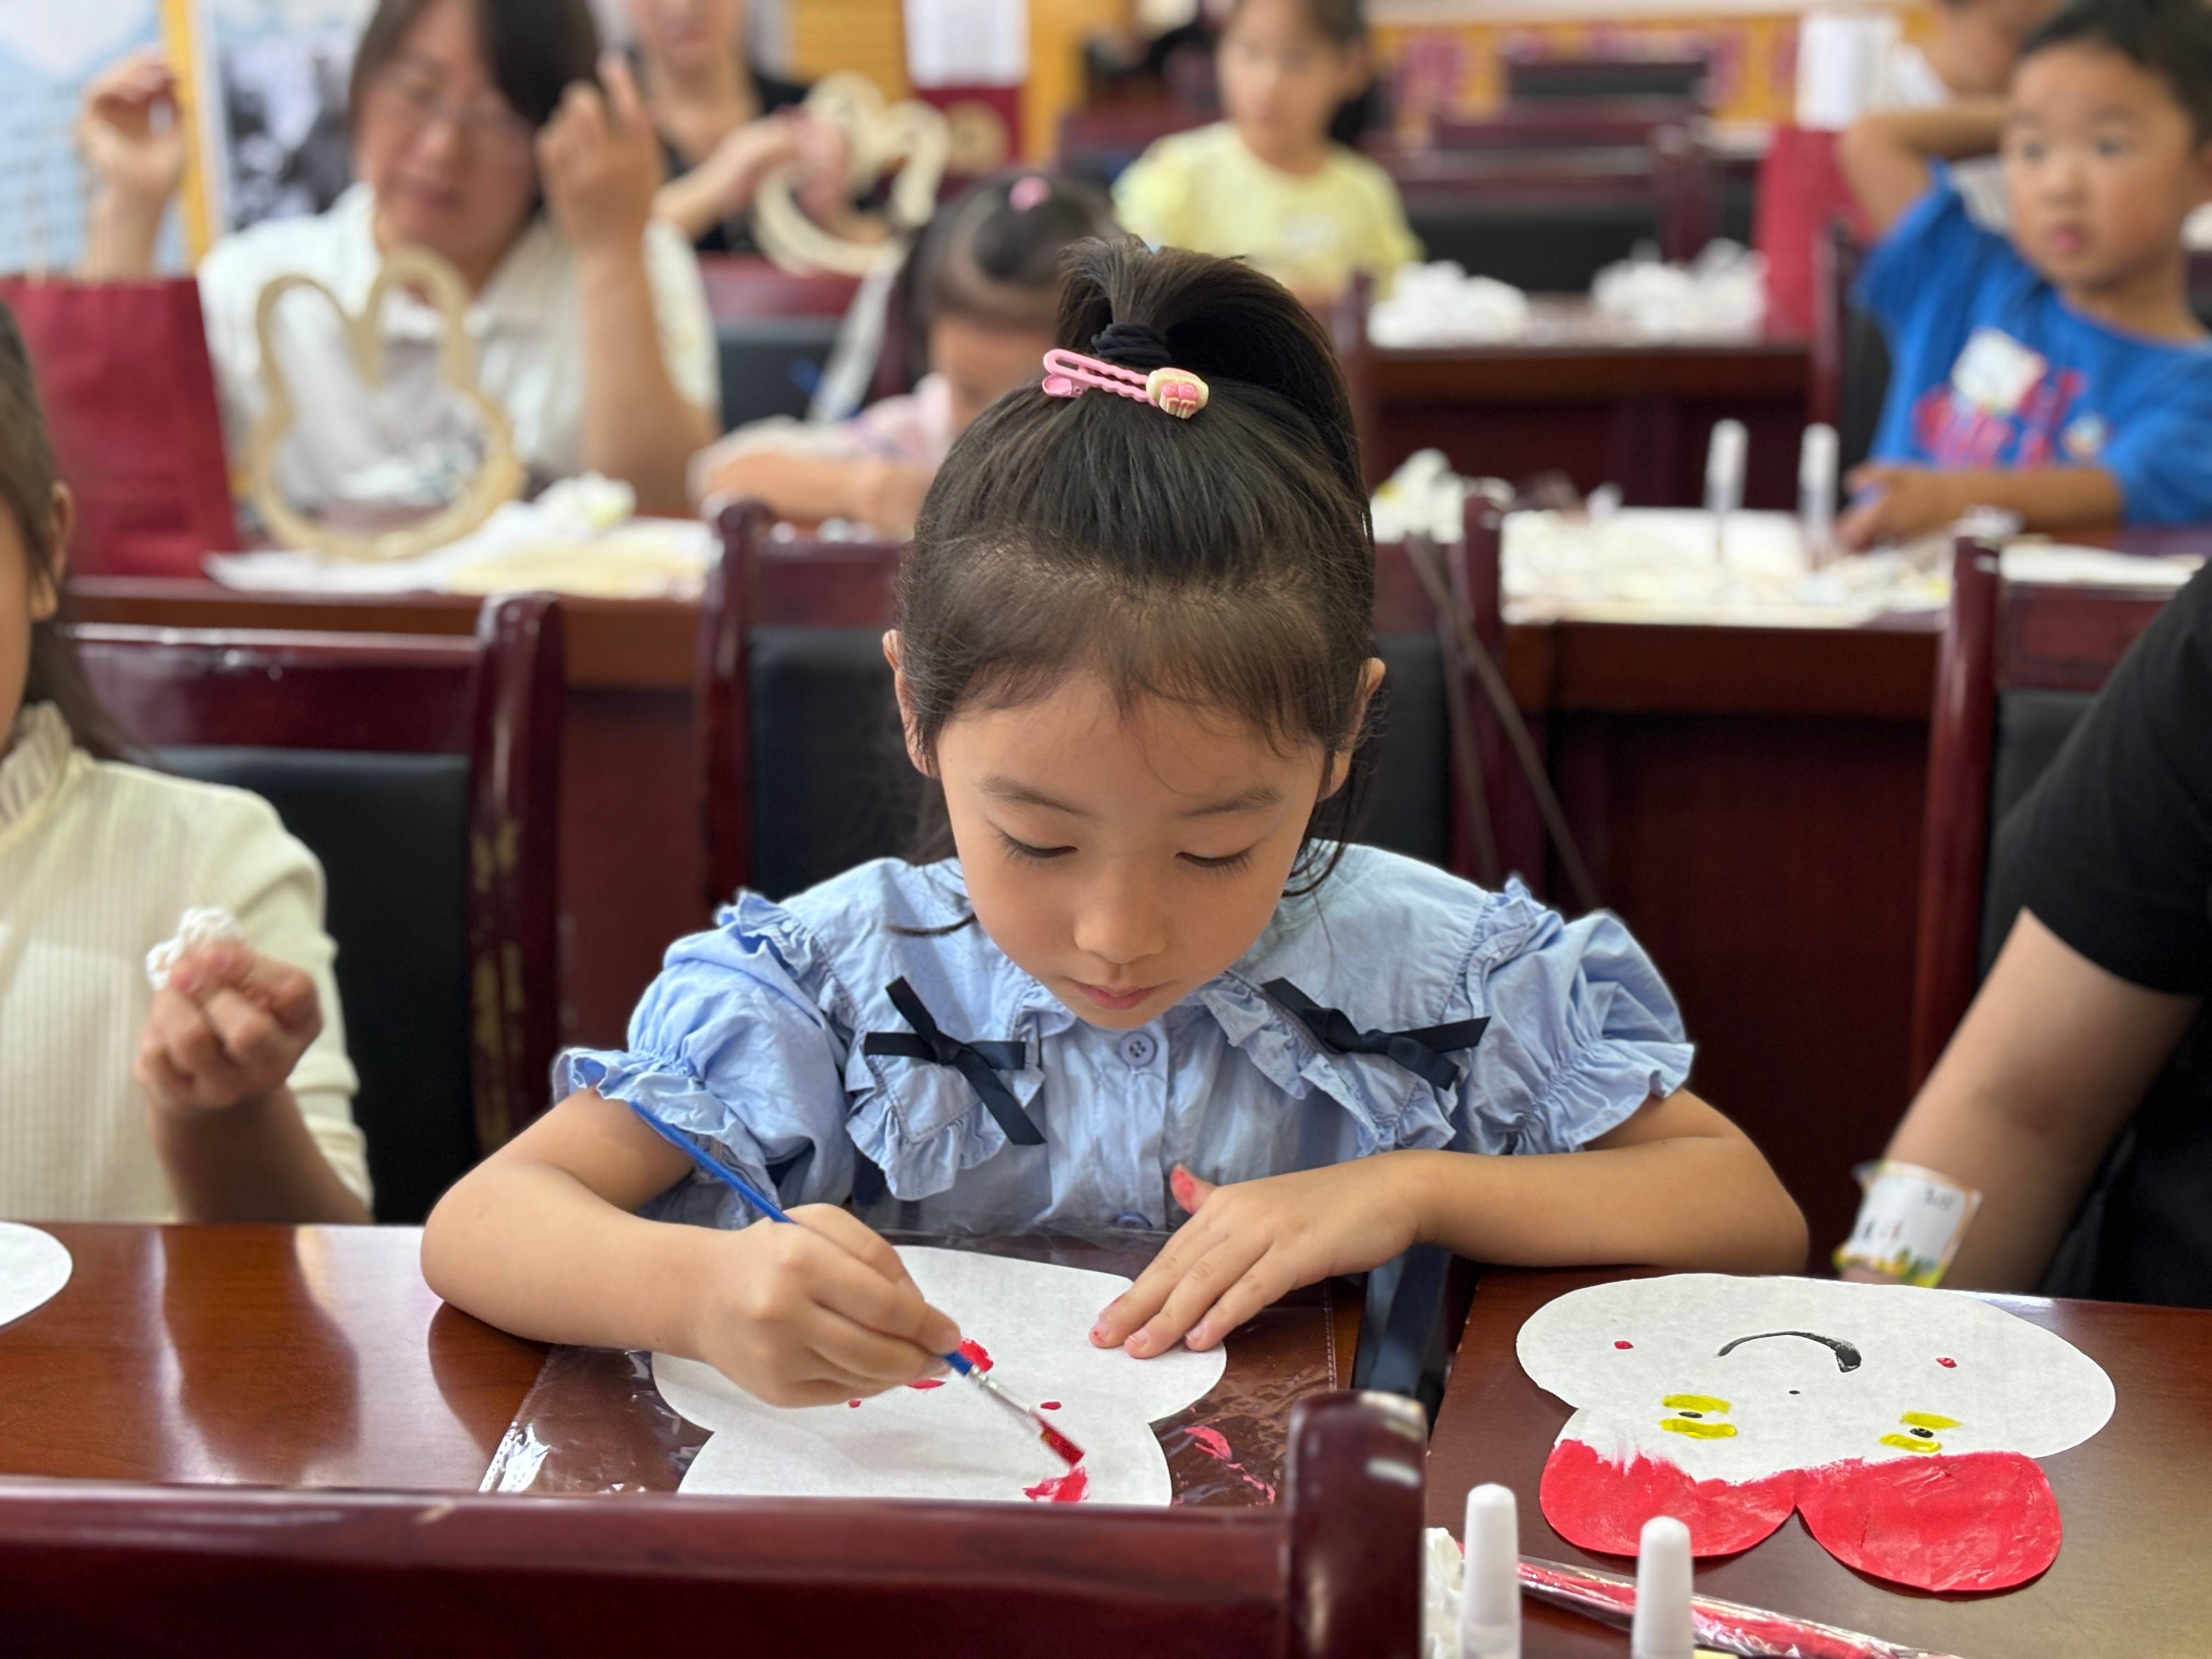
496, 482
911, 137
1903, 1424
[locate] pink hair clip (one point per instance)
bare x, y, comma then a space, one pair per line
1069, 374
1031, 190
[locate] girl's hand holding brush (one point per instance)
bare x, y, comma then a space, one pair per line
816, 1313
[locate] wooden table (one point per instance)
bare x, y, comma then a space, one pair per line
1600, 407
317, 1357
2131, 1577
275, 1356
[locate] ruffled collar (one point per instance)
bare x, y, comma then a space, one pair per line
31, 763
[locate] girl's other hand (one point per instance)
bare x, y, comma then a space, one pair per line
1249, 1244
600, 162
130, 131
228, 1027
817, 1313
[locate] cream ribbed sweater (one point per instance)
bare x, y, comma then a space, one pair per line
98, 861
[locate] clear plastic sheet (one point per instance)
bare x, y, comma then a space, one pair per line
594, 1422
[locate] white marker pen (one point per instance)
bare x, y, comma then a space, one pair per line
1490, 1599
1663, 1629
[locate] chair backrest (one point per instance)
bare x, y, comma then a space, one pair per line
774, 331
2019, 667
1547, 217
423, 773
801, 773
1680, 81
1097, 144
1851, 357
1333, 1571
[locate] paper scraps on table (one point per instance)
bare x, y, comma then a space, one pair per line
1033, 1319
1903, 1423
33, 1267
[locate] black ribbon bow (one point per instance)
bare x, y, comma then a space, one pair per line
1421, 1052
979, 1062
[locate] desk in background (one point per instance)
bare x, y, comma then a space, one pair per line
1585, 400
2131, 1577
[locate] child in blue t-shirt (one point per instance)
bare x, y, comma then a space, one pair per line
2060, 376
1136, 653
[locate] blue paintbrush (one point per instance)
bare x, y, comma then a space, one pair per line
1060, 1446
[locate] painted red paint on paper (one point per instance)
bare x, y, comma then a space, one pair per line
1047, 1405
1948, 1364
1624, 1344
1969, 1520
1601, 1505
927, 1382
1067, 1488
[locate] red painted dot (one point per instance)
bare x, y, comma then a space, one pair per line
1948, 1364
1047, 1405
1624, 1344
853, 1403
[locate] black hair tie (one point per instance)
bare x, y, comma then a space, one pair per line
1132, 345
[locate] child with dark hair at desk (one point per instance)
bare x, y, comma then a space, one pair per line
1136, 653
224, 1095
985, 285
2061, 375
1272, 184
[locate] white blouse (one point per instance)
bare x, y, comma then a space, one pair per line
408, 438
98, 863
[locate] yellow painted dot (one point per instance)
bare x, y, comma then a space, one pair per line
1694, 1402
1906, 1443
1698, 1430
1928, 1420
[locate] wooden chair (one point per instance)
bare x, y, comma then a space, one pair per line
774, 331
1332, 1572
1097, 144
1547, 219
1851, 358
424, 773
2019, 667
800, 769
1680, 82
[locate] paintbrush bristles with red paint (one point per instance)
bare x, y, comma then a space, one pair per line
964, 1364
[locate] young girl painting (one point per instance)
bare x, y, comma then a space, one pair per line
1156, 982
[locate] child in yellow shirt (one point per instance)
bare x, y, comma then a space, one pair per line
1269, 184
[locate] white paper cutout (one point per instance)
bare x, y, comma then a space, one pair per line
33, 1267
2011, 1386
1901, 1424
1034, 1319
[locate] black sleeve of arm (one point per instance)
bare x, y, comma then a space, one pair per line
2112, 849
